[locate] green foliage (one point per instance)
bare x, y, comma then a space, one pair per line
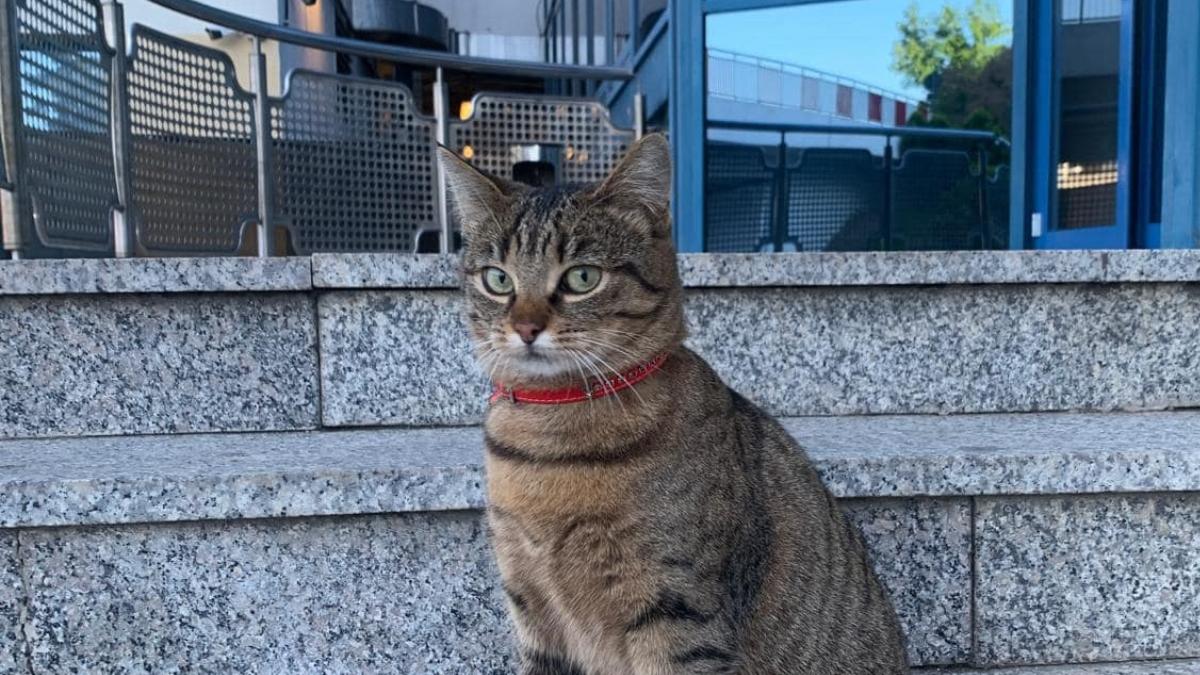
963, 62
950, 40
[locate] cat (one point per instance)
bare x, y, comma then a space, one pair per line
651, 520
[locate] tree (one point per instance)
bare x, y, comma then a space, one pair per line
950, 40
963, 61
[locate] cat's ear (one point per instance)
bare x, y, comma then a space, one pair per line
478, 198
641, 183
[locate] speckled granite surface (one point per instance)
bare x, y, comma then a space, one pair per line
409, 593
813, 269
922, 553
213, 476
1173, 667
208, 476
157, 363
954, 348
1087, 578
153, 275
384, 270
1030, 453
401, 270
401, 357
397, 357
399, 594
12, 646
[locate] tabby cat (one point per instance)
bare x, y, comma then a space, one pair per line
655, 526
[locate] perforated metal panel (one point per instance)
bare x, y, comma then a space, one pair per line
739, 193
999, 200
354, 164
64, 154
193, 156
936, 202
591, 145
835, 201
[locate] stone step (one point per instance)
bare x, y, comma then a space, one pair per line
1171, 667
209, 345
1013, 538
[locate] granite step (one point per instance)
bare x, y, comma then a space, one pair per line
144, 346
164, 478
334, 550
1168, 667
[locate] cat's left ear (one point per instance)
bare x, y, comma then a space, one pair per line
641, 184
479, 199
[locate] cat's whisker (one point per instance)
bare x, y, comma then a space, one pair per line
617, 332
631, 355
619, 375
578, 365
597, 342
607, 383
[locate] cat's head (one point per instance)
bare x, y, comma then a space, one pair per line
569, 283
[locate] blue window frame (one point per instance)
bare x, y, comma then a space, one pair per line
1082, 118
1149, 195
1131, 204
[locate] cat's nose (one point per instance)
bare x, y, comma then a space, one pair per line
528, 330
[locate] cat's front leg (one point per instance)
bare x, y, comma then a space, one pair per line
678, 636
539, 639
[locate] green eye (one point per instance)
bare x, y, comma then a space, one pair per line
497, 281
581, 279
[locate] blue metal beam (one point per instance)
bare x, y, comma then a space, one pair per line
687, 117
1181, 133
1023, 125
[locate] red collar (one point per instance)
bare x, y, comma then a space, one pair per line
576, 394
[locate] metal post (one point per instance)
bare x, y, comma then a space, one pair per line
635, 15
639, 115
984, 225
262, 127
610, 32
10, 106
575, 32
779, 227
441, 113
589, 30
885, 229
124, 237
562, 35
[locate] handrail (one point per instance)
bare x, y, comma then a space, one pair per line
865, 130
797, 69
782, 204
408, 55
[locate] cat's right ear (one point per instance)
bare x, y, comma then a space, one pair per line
478, 198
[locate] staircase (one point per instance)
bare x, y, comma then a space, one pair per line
271, 465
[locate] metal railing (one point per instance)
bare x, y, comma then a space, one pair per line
158, 150
846, 198
726, 89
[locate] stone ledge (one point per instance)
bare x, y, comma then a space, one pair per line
153, 275
699, 270
76, 481
1170, 667
728, 270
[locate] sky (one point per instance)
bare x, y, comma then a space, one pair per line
852, 38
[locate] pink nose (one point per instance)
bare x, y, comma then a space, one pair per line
528, 330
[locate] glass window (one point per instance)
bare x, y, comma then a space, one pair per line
891, 125
1088, 83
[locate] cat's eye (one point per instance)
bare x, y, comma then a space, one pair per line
581, 279
497, 281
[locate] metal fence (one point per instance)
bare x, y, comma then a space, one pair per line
783, 197
160, 151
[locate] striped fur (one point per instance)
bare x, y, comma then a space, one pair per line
669, 528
